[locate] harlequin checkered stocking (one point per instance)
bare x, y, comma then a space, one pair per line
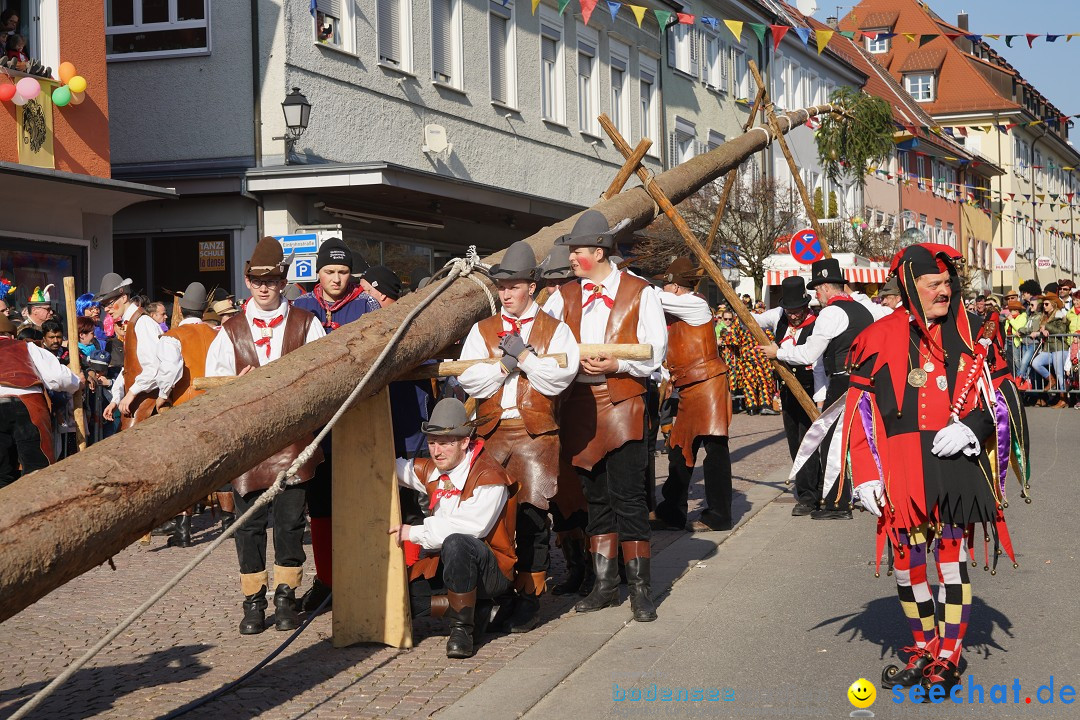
954, 591
914, 591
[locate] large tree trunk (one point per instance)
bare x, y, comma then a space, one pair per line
76, 514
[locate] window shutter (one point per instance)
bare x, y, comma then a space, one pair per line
725, 67
695, 51
389, 27
498, 58
329, 7
669, 37
673, 149
549, 50
441, 46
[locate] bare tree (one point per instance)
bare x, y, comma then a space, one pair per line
857, 236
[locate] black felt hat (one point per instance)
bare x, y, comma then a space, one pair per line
793, 293
826, 270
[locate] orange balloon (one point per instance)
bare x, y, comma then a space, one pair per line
67, 71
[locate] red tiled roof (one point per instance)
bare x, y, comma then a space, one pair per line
885, 19
924, 59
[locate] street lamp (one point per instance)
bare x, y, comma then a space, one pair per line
297, 110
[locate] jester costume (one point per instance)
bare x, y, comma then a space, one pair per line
750, 370
929, 426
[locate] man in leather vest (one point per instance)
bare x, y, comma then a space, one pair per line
604, 414
838, 323
135, 389
517, 413
793, 323
182, 359
468, 537
263, 331
26, 372
704, 404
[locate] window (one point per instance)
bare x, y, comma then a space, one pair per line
149, 28
503, 58
551, 70
780, 85
715, 62
446, 59
716, 139
1038, 168
649, 106
920, 86
588, 84
950, 234
683, 49
620, 95
743, 81
681, 145
878, 45
394, 27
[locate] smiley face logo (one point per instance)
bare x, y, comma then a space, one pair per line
862, 693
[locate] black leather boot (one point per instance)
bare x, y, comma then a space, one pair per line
227, 519
526, 613
912, 674
461, 613
636, 556
254, 621
166, 528
577, 560
181, 536
941, 672
605, 591
285, 615
313, 598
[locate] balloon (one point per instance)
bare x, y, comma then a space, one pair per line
77, 98
61, 96
77, 84
7, 91
28, 87
67, 71
18, 99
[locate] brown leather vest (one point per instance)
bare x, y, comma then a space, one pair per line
484, 471
195, 339
621, 328
692, 353
16, 366
294, 334
537, 410
132, 367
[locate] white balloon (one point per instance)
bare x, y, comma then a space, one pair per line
19, 99
77, 98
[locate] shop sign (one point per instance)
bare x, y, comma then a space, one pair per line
211, 255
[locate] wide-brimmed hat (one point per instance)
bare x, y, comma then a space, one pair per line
556, 266
1053, 300
519, 263
890, 288
194, 297
6, 326
221, 308
1016, 305
592, 230
826, 270
268, 260
112, 287
448, 418
793, 293
682, 272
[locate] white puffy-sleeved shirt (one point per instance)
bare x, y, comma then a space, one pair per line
876, 309
651, 329
831, 321
171, 360
483, 380
55, 375
148, 335
221, 358
475, 517
769, 320
690, 308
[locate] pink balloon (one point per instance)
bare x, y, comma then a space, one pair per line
28, 87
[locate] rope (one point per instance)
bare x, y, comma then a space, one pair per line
455, 268
768, 135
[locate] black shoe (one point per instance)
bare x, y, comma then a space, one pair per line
577, 560
663, 523
940, 673
526, 614
824, 514
311, 600
227, 519
182, 536
166, 528
800, 509
909, 676
254, 621
704, 525
605, 591
285, 615
460, 644
638, 578
481, 619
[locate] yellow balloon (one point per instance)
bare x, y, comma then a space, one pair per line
67, 71
77, 84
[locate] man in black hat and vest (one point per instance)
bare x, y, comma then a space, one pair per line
135, 389
517, 413
840, 320
704, 405
468, 537
793, 323
604, 414
263, 331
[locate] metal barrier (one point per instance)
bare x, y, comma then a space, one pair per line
1067, 345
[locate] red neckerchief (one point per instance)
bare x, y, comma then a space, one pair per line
441, 493
515, 323
839, 297
597, 294
352, 291
265, 340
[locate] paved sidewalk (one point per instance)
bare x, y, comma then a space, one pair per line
187, 646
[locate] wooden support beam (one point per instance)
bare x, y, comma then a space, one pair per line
628, 168
74, 362
710, 267
371, 589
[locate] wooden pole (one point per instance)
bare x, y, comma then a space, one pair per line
85, 510
74, 364
770, 115
711, 268
628, 168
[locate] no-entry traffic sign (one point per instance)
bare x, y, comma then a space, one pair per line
806, 247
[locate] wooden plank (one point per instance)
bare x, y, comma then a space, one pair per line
453, 368
628, 168
74, 361
371, 593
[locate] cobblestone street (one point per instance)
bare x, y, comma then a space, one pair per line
187, 646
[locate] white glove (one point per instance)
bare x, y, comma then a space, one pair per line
871, 496
953, 438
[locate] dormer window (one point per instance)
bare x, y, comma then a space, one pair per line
879, 43
920, 86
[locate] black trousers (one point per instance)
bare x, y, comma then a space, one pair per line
652, 429
796, 422
840, 496
20, 442
320, 488
532, 539
465, 563
676, 489
288, 509
615, 492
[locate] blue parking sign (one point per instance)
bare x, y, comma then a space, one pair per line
302, 269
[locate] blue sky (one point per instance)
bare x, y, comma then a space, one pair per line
1048, 66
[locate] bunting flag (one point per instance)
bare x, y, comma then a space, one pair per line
1009, 39
823, 37
712, 22
639, 13
587, 7
662, 17
613, 8
804, 35
923, 39
778, 33
910, 36
685, 19
735, 26
759, 30
1030, 38
535, 4
563, 4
